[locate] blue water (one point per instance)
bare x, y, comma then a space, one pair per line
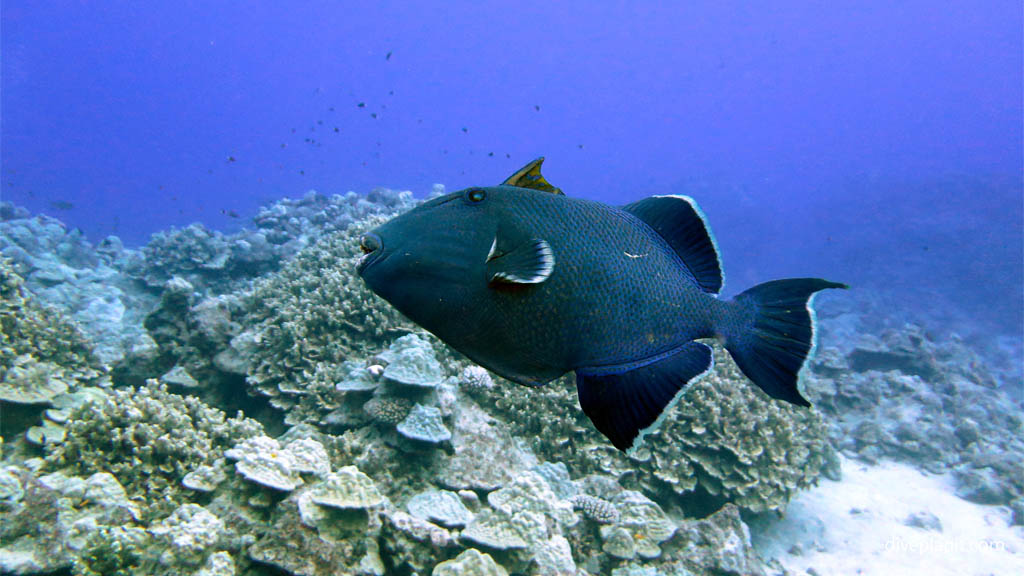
872, 142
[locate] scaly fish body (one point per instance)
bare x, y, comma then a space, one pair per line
532, 284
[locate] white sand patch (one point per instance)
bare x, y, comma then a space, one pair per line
858, 527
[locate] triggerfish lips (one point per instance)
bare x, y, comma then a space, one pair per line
372, 247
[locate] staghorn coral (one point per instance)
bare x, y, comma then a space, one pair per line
149, 439
724, 441
308, 319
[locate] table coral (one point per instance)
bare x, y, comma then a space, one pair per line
424, 424
472, 562
348, 488
411, 362
440, 506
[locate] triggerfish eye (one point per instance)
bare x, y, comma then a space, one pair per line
369, 243
477, 195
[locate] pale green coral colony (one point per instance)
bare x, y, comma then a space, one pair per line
369, 448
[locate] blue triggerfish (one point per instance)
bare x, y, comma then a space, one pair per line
532, 284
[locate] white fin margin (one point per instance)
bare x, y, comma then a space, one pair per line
639, 440
711, 235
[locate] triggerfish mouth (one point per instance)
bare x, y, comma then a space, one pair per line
532, 284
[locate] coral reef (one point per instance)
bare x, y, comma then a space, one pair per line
213, 261
40, 350
294, 223
308, 319
396, 455
44, 361
526, 522
52, 520
906, 396
207, 258
472, 562
62, 269
710, 450
424, 424
149, 439
441, 507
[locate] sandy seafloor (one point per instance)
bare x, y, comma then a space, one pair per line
859, 525
927, 428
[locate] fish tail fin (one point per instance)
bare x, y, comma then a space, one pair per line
771, 334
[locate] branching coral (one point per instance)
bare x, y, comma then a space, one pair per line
724, 441
149, 439
312, 316
33, 334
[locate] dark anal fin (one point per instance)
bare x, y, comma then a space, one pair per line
626, 406
678, 220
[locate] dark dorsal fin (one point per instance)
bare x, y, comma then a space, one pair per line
529, 176
678, 220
